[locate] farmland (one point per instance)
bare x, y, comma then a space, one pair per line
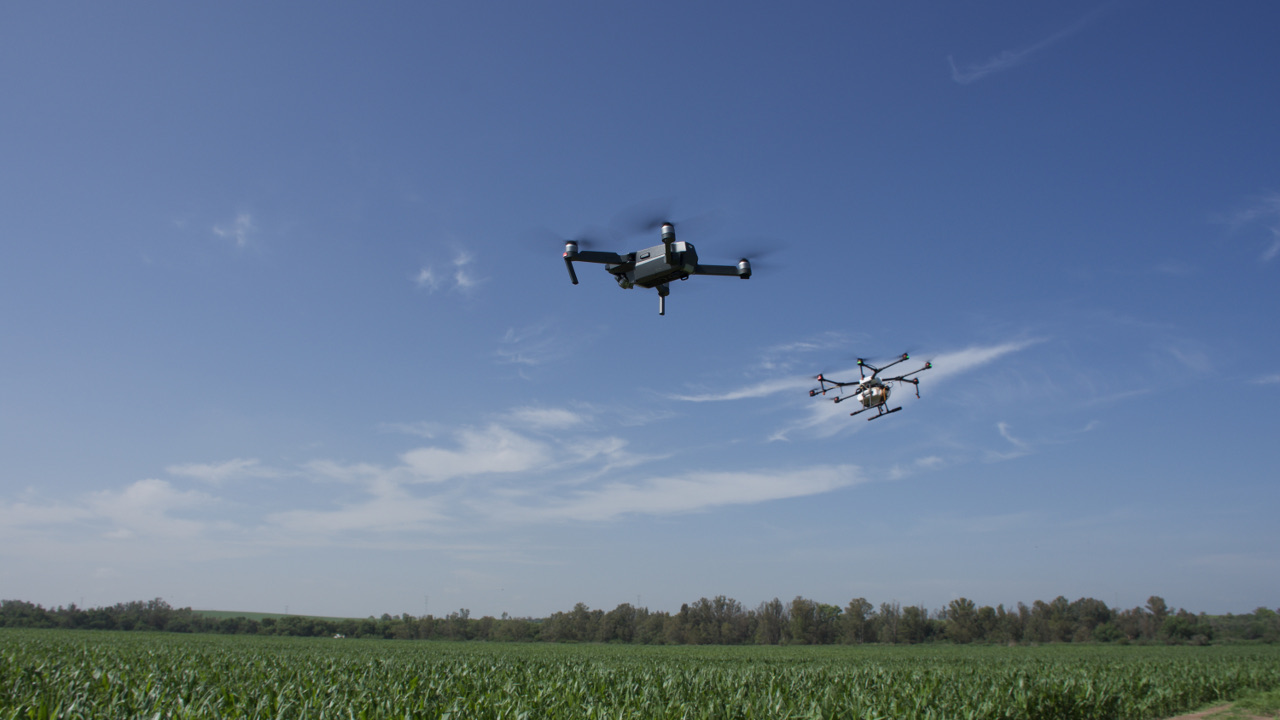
66, 674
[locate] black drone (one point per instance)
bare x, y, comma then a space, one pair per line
653, 267
872, 390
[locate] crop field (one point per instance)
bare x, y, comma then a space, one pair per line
87, 674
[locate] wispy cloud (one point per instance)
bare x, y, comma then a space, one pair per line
390, 507
494, 449
1264, 210
1193, 359
1020, 448
757, 390
948, 364
1269, 380
218, 473
463, 278
145, 508
1012, 58
820, 416
546, 418
427, 280
691, 492
532, 345
932, 462
458, 276
781, 358
237, 230
420, 429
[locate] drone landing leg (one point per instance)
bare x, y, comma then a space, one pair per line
663, 291
886, 412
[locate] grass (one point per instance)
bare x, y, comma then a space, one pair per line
46, 674
259, 616
1262, 704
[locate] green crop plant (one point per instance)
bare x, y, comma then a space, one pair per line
47, 674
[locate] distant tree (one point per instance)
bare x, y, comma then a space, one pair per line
618, 625
1088, 614
962, 621
856, 620
1037, 626
890, 615
803, 615
913, 627
771, 621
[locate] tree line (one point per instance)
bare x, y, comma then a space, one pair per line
715, 621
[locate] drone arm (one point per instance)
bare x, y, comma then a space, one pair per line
835, 385
903, 378
606, 258
742, 270
905, 357
568, 263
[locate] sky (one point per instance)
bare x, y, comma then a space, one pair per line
285, 326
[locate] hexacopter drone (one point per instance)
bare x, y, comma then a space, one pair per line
653, 267
872, 390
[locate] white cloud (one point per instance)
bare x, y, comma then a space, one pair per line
28, 515
492, 450
693, 492
1194, 360
390, 509
216, 474
421, 429
944, 365
1012, 58
953, 363
1020, 448
1265, 210
932, 462
545, 418
762, 389
1269, 380
462, 277
143, 509
353, 474
531, 346
1274, 249
426, 279
238, 230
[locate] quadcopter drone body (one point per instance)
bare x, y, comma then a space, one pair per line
653, 267
871, 390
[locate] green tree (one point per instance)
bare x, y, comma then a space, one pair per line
962, 620
771, 622
856, 621
914, 625
888, 619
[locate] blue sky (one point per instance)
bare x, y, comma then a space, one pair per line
284, 322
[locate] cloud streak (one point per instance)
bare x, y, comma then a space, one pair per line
1264, 210
1008, 59
460, 277
219, 473
238, 230
758, 390
692, 492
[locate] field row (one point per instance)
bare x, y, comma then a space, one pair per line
59, 674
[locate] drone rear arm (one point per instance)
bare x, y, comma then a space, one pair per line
835, 384
742, 270
591, 256
594, 256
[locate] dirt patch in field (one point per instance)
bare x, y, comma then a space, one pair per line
1221, 711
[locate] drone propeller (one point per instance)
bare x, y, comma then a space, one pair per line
643, 217
587, 239
649, 216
